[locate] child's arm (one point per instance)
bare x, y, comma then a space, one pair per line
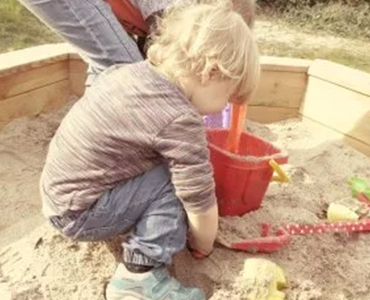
203, 229
183, 145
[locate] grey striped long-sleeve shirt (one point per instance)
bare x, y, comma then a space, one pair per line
130, 120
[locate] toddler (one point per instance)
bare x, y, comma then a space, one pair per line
132, 153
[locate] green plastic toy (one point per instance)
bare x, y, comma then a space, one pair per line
360, 186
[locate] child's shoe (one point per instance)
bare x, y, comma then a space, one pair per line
156, 284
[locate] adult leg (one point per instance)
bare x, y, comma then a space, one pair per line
91, 27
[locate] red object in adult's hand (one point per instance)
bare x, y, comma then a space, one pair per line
129, 16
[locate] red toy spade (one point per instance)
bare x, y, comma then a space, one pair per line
265, 244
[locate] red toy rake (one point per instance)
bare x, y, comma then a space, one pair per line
269, 243
347, 227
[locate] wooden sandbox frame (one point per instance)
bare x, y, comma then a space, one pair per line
323, 94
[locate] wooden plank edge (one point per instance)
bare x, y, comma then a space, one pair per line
281, 89
73, 55
346, 77
355, 143
34, 102
21, 60
285, 64
342, 109
31, 79
268, 63
77, 76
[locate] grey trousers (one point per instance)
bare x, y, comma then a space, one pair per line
92, 28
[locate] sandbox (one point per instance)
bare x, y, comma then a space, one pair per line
317, 110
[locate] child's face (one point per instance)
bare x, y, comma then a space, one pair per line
212, 96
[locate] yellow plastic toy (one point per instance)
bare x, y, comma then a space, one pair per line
263, 280
281, 175
338, 212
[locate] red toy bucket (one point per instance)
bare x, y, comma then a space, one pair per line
242, 179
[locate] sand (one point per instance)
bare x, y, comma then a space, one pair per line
36, 262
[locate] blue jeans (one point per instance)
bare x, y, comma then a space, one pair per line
92, 28
148, 205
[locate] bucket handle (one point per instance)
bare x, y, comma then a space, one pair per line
281, 176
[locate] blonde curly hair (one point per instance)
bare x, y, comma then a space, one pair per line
207, 40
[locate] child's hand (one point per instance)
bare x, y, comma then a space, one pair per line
203, 231
199, 254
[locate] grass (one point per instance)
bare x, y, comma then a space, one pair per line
351, 20
334, 18
20, 29
359, 61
